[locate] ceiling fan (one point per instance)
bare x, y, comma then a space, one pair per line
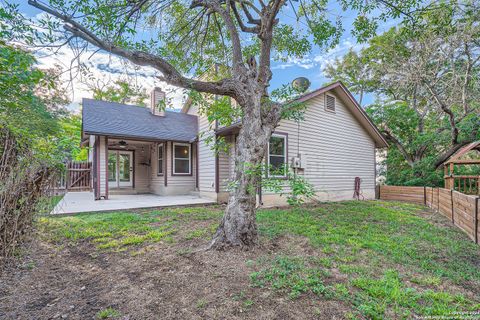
122, 144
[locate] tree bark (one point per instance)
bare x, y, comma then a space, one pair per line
238, 225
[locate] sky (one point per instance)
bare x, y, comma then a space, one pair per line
107, 67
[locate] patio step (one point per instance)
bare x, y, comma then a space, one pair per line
195, 193
122, 191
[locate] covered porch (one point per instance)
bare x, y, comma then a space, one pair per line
136, 150
126, 166
79, 202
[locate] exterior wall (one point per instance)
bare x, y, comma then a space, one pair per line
337, 149
176, 184
206, 158
334, 146
226, 169
226, 164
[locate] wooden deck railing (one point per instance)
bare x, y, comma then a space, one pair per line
464, 184
461, 209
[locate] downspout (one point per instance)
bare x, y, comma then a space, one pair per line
196, 164
165, 181
97, 167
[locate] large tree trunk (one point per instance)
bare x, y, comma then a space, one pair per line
238, 225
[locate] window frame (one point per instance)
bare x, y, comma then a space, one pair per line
285, 146
334, 103
162, 145
189, 145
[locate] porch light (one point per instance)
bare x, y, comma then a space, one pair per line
122, 144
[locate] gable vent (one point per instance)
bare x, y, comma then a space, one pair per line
329, 103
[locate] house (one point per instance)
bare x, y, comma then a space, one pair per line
147, 150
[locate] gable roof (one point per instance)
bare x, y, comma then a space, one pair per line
129, 121
456, 157
350, 103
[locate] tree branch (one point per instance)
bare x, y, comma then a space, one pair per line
266, 37
243, 27
248, 14
399, 146
215, 6
451, 115
226, 87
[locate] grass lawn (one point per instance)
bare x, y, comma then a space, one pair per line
348, 260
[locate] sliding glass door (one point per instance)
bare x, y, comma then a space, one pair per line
120, 169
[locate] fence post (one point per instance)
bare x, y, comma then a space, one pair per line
475, 227
438, 199
424, 195
451, 199
67, 175
431, 203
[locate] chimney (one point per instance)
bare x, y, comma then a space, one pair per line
157, 102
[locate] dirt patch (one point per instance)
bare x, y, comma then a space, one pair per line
164, 281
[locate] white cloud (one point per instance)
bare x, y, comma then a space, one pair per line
320, 60
304, 63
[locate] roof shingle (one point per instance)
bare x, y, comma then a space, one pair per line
122, 120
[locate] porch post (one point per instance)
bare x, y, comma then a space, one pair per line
95, 169
106, 167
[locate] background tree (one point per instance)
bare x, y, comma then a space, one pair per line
354, 72
124, 90
184, 38
426, 81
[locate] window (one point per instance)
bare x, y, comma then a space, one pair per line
181, 158
160, 159
277, 156
329, 103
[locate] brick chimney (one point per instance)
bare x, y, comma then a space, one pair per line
157, 102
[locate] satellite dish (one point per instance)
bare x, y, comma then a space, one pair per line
301, 84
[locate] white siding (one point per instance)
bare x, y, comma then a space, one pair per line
226, 164
206, 156
337, 150
335, 146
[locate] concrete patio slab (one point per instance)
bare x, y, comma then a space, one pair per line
77, 202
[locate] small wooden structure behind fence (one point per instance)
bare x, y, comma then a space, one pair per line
461, 209
465, 156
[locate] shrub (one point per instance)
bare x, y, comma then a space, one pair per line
24, 182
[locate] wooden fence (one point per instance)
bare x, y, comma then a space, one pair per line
78, 176
461, 209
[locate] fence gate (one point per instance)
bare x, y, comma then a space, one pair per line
78, 176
